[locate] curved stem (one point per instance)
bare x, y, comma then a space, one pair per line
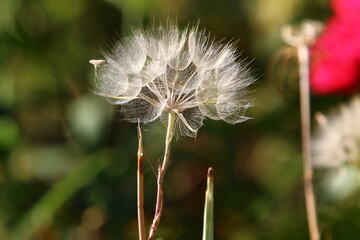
161, 174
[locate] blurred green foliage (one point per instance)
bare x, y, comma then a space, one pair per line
63, 149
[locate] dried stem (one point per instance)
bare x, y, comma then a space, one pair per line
301, 41
303, 57
140, 187
161, 174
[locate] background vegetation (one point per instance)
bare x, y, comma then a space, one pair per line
68, 165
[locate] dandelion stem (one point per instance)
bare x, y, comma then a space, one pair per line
303, 58
161, 174
140, 187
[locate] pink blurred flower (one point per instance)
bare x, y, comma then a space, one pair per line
346, 8
335, 64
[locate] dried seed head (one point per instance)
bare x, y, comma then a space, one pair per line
337, 141
163, 70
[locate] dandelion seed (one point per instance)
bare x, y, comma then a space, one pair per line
337, 141
96, 62
164, 70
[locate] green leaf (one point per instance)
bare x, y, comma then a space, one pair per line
45, 208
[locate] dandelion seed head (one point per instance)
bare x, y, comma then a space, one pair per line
164, 69
337, 140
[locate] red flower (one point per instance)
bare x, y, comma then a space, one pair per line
346, 8
335, 66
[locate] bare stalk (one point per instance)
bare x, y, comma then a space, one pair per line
303, 57
301, 41
140, 187
160, 177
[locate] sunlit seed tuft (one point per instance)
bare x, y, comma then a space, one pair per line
163, 69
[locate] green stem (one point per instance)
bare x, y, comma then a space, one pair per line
208, 227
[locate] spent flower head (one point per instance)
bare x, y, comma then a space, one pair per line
337, 139
165, 70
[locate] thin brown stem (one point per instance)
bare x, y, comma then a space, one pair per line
160, 177
140, 187
303, 57
301, 40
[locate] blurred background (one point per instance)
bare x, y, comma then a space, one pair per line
68, 162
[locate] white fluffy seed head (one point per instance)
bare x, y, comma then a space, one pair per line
337, 140
163, 70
